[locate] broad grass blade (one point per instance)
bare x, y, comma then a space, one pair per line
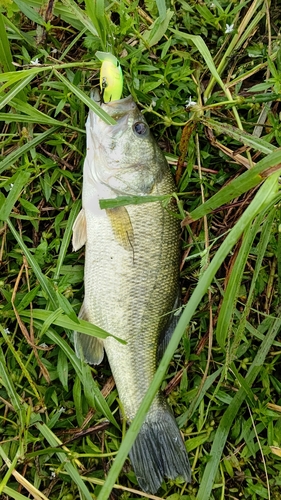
87, 100
121, 201
19, 184
238, 186
264, 237
60, 319
30, 13
17, 153
43, 280
226, 314
204, 51
94, 395
240, 135
96, 12
5, 51
14, 494
67, 237
7, 382
84, 373
162, 9
158, 29
265, 195
81, 15
222, 432
68, 466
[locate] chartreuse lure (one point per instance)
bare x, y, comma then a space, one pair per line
111, 78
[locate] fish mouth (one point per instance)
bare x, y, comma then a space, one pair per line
116, 109
120, 110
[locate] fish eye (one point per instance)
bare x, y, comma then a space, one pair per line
140, 128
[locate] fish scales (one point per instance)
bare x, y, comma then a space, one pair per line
131, 277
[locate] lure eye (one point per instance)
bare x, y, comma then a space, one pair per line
140, 128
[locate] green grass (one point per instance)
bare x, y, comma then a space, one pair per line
61, 436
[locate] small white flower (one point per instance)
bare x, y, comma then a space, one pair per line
153, 103
189, 103
62, 409
212, 5
7, 331
35, 62
54, 51
229, 28
53, 474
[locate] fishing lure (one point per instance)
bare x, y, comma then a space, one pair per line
111, 77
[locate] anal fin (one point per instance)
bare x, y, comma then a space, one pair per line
89, 349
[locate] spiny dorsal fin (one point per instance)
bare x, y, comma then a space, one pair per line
88, 348
79, 229
121, 226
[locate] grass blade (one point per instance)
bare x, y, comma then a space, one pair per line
81, 15
30, 13
66, 237
204, 51
14, 494
226, 314
7, 382
162, 9
231, 412
238, 186
5, 51
87, 100
17, 153
241, 136
15, 90
62, 320
96, 399
265, 195
121, 201
158, 29
69, 467
96, 13
43, 280
35, 114
94, 395
19, 184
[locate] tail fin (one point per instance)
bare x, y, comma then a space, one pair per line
159, 451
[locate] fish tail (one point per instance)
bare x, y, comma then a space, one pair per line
159, 452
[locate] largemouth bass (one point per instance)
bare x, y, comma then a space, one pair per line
131, 277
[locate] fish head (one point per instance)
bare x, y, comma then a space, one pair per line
123, 157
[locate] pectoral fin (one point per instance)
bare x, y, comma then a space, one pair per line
122, 226
79, 229
88, 348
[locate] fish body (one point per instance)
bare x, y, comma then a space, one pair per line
131, 277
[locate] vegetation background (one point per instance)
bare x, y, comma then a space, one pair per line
207, 74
